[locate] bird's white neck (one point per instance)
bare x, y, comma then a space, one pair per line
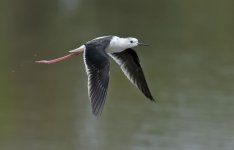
117, 44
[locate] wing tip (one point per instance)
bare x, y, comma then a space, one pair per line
97, 109
148, 94
151, 98
96, 113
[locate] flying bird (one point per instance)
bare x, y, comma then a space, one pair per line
97, 54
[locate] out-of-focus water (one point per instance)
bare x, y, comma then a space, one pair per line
189, 68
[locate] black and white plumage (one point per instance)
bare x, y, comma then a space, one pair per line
97, 64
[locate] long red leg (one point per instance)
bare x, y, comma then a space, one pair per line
57, 59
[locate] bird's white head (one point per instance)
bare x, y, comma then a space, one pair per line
131, 42
118, 44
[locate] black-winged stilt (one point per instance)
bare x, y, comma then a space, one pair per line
97, 63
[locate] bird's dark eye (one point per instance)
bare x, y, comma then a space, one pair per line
131, 41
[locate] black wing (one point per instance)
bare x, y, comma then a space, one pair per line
130, 65
97, 68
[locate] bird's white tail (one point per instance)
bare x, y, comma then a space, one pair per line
79, 49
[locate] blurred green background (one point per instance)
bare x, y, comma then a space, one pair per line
189, 68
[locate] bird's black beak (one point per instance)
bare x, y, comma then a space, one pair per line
141, 44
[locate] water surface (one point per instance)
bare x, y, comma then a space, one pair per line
189, 69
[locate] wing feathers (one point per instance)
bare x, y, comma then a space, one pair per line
97, 68
130, 65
